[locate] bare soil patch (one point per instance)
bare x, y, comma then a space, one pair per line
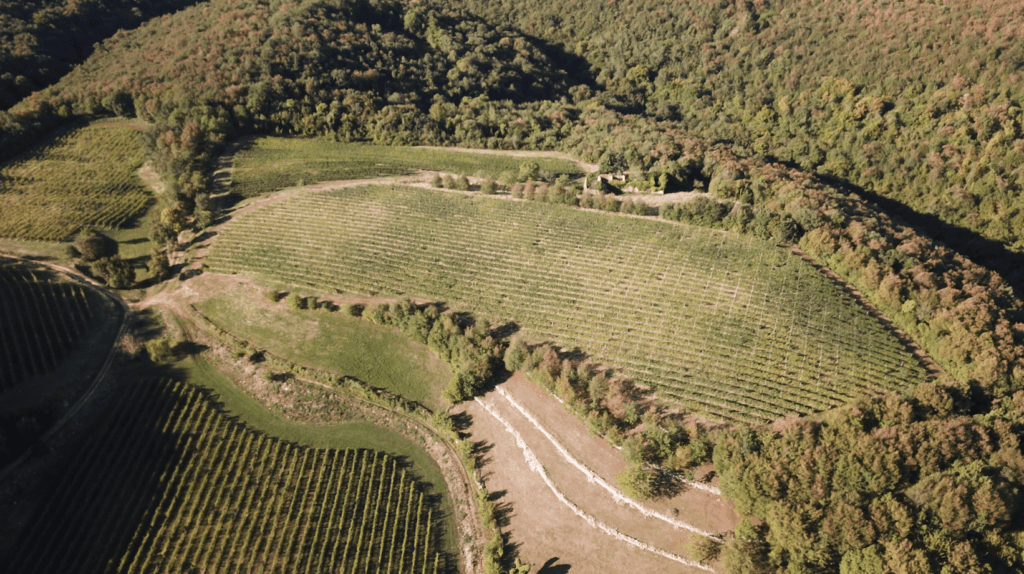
542, 531
702, 509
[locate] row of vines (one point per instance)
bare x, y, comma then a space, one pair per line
269, 164
170, 484
41, 321
85, 176
728, 325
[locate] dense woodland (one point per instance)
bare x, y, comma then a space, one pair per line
42, 40
884, 137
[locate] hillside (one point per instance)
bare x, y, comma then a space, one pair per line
41, 40
882, 141
918, 102
735, 309
83, 177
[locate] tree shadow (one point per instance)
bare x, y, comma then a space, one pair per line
505, 331
188, 348
461, 423
480, 450
503, 511
550, 567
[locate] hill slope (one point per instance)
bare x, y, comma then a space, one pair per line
726, 325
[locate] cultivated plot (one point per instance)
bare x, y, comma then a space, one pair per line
723, 324
41, 321
170, 484
269, 164
84, 177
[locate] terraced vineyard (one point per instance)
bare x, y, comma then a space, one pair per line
727, 325
85, 177
170, 484
271, 163
42, 319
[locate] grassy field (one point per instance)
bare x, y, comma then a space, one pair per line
381, 357
85, 176
171, 484
723, 324
42, 319
272, 163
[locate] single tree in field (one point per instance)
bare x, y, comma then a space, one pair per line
488, 186
462, 183
637, 481
93, 245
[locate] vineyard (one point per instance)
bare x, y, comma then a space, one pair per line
42, 319
269, 164
84, 177
170, 484
723, 324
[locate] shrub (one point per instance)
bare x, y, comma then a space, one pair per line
462, 183
160, 350
295, 302
436, 180
447, 182
488, 186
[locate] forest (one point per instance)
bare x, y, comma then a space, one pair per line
897, 164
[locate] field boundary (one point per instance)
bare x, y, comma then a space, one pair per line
929, 364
